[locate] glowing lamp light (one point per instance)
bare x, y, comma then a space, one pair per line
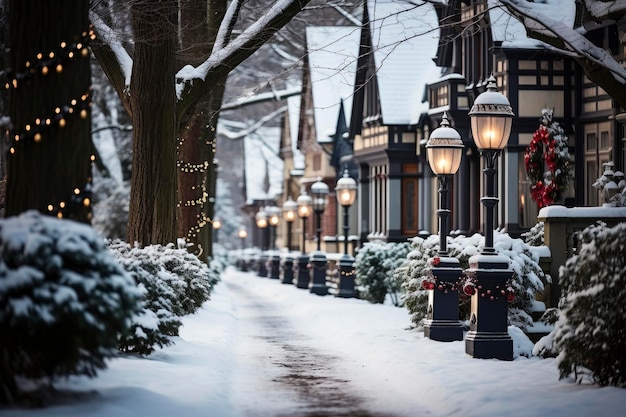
491, 117
346, 190
290, 208
304, 205
444, 149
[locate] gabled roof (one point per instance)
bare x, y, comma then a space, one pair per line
293, 110
332, 65
263, 166
404, 37
511, 33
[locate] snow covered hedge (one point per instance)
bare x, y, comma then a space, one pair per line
374, 265
529, 278
590, 332
63, 300
175, 283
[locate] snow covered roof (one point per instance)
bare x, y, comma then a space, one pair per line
293, 109
262, 161
332, 64
405, 38
512, 33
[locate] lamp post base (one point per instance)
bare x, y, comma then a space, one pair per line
442, 321
346, 277
488, 337
318, 283
288, 270
304, 276
274, 267
262, 272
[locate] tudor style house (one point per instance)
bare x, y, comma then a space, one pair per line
398, 41
478, 39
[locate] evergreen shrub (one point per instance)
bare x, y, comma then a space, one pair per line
528, 279
374, 266
590, 333
176, 283
63, 301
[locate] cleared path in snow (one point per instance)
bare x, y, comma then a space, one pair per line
296, 378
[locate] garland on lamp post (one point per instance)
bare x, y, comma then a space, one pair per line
547, 162
467, 285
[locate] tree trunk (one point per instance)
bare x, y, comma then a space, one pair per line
49, 163
152, 210
197, 173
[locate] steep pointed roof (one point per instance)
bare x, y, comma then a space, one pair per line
333, 54
405, 36
263, 166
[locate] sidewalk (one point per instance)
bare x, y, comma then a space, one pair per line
262, 348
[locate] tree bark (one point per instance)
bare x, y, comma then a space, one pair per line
49, 163
152, 210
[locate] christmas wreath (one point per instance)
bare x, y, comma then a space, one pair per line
547, 162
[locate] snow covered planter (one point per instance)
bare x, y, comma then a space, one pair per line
590, 333
528, 280
374, 266
63, 300
176, 283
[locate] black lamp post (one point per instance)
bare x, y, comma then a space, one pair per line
243, 234
261, 222
443, 151
289, 214
274, 259
318, 286
346, 194
491, 117
304, 211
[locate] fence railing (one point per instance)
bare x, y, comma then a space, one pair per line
561, 228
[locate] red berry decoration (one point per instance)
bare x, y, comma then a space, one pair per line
436, 261
469, 290
510, 297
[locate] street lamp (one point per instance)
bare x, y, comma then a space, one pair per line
290, 208
491, 118
242, 233
304, 211
346, 194
443, 151
261, 223
320, 192
273, 217
216, 226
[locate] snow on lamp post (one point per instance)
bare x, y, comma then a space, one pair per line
274, 259
320, 191
304, 202
443, 151
491, 119
261, 223
346, 194
290, 208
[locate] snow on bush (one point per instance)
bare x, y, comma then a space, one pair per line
590, 333
374, 266
176, 283
63, 300
529, 278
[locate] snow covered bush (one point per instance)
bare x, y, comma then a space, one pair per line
529, 278
63, 300
374, 265
176, 283
535, 236
590, 333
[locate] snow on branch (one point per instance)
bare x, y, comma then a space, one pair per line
274, 95
218, 56
572, 43
227, 23
240, 134
107, 35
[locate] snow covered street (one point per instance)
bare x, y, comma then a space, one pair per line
262, 348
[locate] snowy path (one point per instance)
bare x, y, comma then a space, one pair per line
260, 348
293, 378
